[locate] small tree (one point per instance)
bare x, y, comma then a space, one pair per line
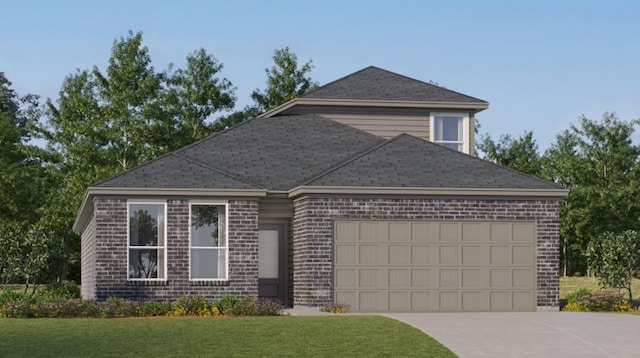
614, 258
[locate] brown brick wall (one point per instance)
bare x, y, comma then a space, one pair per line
111, 253
313, 235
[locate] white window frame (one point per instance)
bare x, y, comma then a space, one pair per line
465, 129
164, 232
226, 240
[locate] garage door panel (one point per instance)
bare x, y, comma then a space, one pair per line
499, 255
420, 255
420, 278
369, 254
471, 255
399, 254
449, 254
471, 232
400, 231
369, 231
346, 278
522, 255
449, 232
435, 266
420, 232
346, 231
368, 278
523, 232
346, 254
399, 278
522, 278
472, 278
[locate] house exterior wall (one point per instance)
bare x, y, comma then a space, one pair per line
111, 253
313, 231
87, 261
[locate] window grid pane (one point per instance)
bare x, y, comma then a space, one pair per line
146, 241
208, 241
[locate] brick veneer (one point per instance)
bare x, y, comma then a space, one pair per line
111, 253
313, 235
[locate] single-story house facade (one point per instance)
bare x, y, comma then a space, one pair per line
365, 191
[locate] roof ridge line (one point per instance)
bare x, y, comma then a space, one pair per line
217, 170
427, 83
354, 158
334, 81
214, 135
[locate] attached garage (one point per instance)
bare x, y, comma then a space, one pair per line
421, 266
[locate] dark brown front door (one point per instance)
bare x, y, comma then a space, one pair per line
271, 261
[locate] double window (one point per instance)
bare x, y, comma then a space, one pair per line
450, 130
147, 241
208, 250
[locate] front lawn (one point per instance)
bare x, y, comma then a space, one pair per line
344, 336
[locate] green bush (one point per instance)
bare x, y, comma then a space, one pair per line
250, 306
603, 301
578, 295
58, 290
18, 305
225, 304
193, 305
154, 308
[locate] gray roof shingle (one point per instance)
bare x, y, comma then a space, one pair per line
407, 161
373, 83
175, 171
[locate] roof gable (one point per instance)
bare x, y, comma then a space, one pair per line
373, 83
407, 161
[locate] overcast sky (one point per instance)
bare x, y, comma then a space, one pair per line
540, 64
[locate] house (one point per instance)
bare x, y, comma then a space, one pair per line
364, 191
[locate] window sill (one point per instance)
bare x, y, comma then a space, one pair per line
148, 283
209, 283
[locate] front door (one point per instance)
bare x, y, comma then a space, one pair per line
271, 261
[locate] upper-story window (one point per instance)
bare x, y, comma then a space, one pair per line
451, 130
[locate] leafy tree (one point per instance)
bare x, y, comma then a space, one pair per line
22, 177
285, 81
519, 154
598, 161
614, 258
105, 122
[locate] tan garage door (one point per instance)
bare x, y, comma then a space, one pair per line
420, 266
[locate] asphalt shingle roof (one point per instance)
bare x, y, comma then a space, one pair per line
281, 153
407, 161
175, 171
271, 153
373, 83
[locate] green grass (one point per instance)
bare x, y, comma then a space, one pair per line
344, 336
570, 284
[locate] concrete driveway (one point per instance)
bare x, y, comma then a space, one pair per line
531, 334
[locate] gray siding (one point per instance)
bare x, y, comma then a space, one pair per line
313, 230
383, 122
87, 261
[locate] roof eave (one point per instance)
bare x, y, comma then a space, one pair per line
473, 106
424, 191
87, 202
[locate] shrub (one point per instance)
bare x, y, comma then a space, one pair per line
154, 308
250, 306
117, 307
225, 304
578, 295
192, 306
15, 296
58, 290
604, 301
336, 308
